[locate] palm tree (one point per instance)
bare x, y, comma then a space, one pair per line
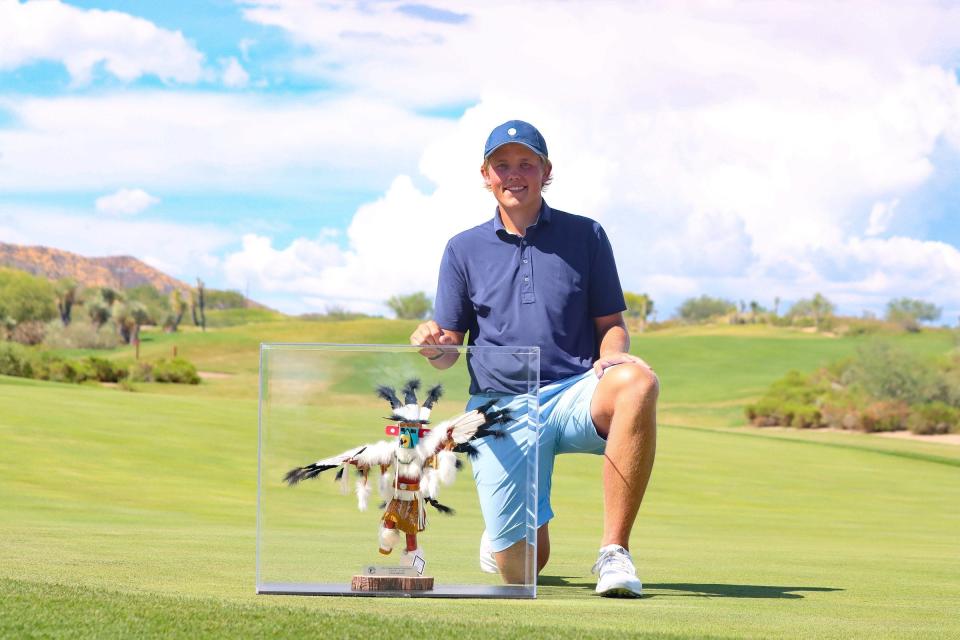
821, 309
129, 316
66, 289
639, 308
178, 306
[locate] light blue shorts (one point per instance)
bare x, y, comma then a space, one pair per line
503, 469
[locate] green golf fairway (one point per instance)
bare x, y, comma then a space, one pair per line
133, 514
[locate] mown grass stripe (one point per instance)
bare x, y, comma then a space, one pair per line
910, 455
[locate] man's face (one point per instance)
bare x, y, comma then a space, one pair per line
515, 175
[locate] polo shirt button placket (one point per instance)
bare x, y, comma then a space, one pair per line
526, 290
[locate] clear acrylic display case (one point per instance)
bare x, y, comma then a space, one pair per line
319, 400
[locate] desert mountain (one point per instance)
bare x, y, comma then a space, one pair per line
116, 272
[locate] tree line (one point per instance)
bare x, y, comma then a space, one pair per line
817, 311
31, 307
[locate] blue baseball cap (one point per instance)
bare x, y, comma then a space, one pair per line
516, 131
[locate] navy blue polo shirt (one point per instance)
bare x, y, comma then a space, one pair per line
542, 290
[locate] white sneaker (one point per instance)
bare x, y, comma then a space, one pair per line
616, 575
488, 564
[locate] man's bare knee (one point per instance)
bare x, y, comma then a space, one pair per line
634, 380
626, 387
512, 562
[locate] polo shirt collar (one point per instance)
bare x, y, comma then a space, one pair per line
544, 216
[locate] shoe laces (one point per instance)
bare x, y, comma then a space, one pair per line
616, 559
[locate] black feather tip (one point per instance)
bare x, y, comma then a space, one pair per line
445, 510
486, 405
300, 474
339, 476
433, 395
483, 432
467, 448
500, 416
389, 395
410, 391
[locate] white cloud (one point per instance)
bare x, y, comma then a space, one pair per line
163, 140
737, 148
880, 216
234, 75
128, 47
393, 246
126, 202
246, 44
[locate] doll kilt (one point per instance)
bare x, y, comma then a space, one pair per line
405, 515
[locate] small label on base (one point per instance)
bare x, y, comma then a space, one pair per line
404, 572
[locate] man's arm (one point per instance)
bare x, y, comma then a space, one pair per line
614, 341
430, 336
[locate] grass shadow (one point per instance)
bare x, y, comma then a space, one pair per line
563, 581
690, 589
732, 590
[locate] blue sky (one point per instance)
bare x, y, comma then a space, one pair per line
319, 155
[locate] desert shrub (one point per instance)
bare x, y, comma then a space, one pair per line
154, 303
805, 417
411, 306
86, 369
80, 334
884, 371
69, 371
934, 418
15, 361
839, 415
815, 312
881, 388
704, 308
140, 371
25, 297
885, 415
766, 412
910, 313
664, 324
859, 412
951, 381
224, 299
30, 332
106, 370
44, 362
790, 401
177, 370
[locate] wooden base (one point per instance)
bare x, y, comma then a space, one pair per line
391, 583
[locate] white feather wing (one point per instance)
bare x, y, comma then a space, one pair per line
459, 429
340, 458
463, 427
375, 454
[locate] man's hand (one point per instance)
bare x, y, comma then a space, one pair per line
607, 361
429, 333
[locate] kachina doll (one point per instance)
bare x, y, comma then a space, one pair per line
412, 466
